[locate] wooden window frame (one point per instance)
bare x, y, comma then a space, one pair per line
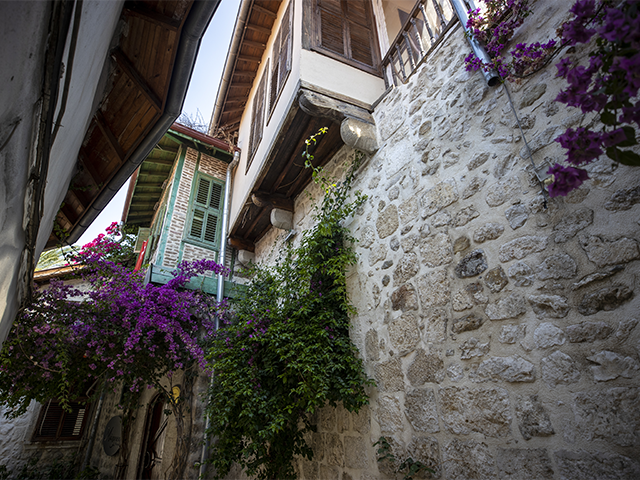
316, 38
46, 410
257, 116
281, 52
207, 210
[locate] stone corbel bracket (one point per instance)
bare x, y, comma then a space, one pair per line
359, 135
357, 127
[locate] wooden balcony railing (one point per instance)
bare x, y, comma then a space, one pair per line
425, 27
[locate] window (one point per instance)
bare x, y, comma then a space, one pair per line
257, 116
205, 213
56, 424
344, 29
281, 57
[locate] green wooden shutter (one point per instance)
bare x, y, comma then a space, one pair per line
205, 211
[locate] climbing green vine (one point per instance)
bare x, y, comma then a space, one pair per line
283, 349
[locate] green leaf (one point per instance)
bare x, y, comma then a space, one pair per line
608, 118
624, 157
630, 133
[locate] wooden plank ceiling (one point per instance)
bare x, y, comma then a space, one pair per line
142, 61
257, 30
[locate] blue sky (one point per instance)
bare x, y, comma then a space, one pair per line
201, 96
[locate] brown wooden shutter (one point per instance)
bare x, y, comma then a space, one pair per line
345, 28
56, 424
331, 26
361, 39
281, 57
257, 116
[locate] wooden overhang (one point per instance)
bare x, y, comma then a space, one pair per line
151, 64
245, 61
284, 176
150, 179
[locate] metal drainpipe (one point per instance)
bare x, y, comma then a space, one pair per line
225, 224
220, 291
491, 76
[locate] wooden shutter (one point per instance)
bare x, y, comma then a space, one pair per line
206, 209
345, 29
281, 57
257, 116
56, 424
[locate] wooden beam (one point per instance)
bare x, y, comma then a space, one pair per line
88, 166
259, 9
249, 58
254, 44
140, 10
241, 244
259, 216
75, 195
259, 29
135, 206
158, 161
168, 149
240, 85
144, 195
266, 200
148, 175
149, 185
236, 101
245, 73
130, 70
233, 110
111, 139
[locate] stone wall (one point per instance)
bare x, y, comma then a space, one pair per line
499, 325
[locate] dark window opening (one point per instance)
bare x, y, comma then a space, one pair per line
56, 424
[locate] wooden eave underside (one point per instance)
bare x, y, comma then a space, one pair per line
284, 177
142, 62
260, 20
153, 176
151, 180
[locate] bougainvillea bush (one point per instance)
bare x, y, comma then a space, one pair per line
113, 330
604, 85
284, 349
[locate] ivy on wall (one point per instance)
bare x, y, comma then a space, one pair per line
283, 350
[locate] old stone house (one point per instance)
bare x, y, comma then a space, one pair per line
176, 198
500, 325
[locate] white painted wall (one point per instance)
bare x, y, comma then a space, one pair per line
336, 76
22, 60
23, 33
242, 182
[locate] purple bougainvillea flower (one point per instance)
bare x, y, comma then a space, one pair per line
582, 145
565, 179
614, 137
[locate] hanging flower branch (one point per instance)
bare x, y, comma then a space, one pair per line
606, 87
116, 330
